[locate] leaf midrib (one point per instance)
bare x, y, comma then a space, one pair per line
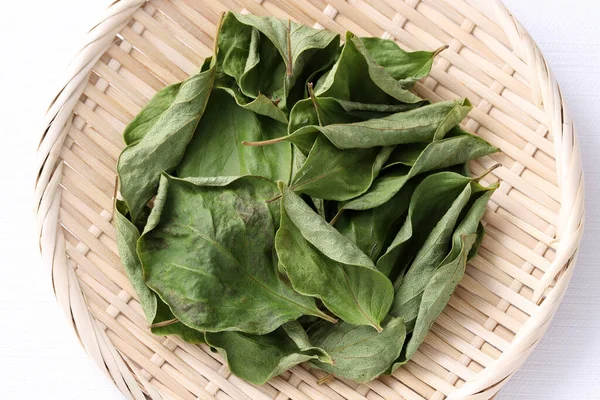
227, 253
374, 324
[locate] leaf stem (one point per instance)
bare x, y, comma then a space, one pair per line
264, 142
324, 379
487, 172
313, 98
336, 217
164, 323
328, 318
438, 51
274, 199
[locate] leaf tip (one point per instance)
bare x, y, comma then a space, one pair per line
216, 43
465, 103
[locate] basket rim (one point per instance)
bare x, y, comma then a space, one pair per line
546, 95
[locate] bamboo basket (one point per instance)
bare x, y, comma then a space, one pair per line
510, 291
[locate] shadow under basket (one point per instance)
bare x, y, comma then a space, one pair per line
510, 291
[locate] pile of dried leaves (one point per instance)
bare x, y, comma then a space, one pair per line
294, 201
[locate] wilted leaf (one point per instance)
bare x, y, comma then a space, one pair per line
320, 262
197, 255
359, 353
258, 358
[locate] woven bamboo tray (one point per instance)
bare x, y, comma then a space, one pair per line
511, 290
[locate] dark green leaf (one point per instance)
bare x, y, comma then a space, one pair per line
359, 353
406, 67
429, 289
449, 272
156, 310
403, 165
357, 77
259, 358
302, 52
234, 45
421, 125
372, 230
162, 146
430, 202
244, 54
409, 288
216, 148
320, 262
261, 105
332, 174
208, 253
264, 56
335, 111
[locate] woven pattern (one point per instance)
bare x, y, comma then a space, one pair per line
510, 291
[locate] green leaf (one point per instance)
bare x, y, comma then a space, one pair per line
357, 77
478, 240
409, 287
261, 105
264, 56
409, 161
336, 111
431, 200
421, 125
302, 52
450, 271
319, 205
149, 116
359, 353
156, 311
372, 230
430, 288
216, 148
406, 67
244, 54
467, 209
163, 141
197, 256
257, 359
320, 262
235, 41
332, 174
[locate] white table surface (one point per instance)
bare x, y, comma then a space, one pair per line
41, 359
